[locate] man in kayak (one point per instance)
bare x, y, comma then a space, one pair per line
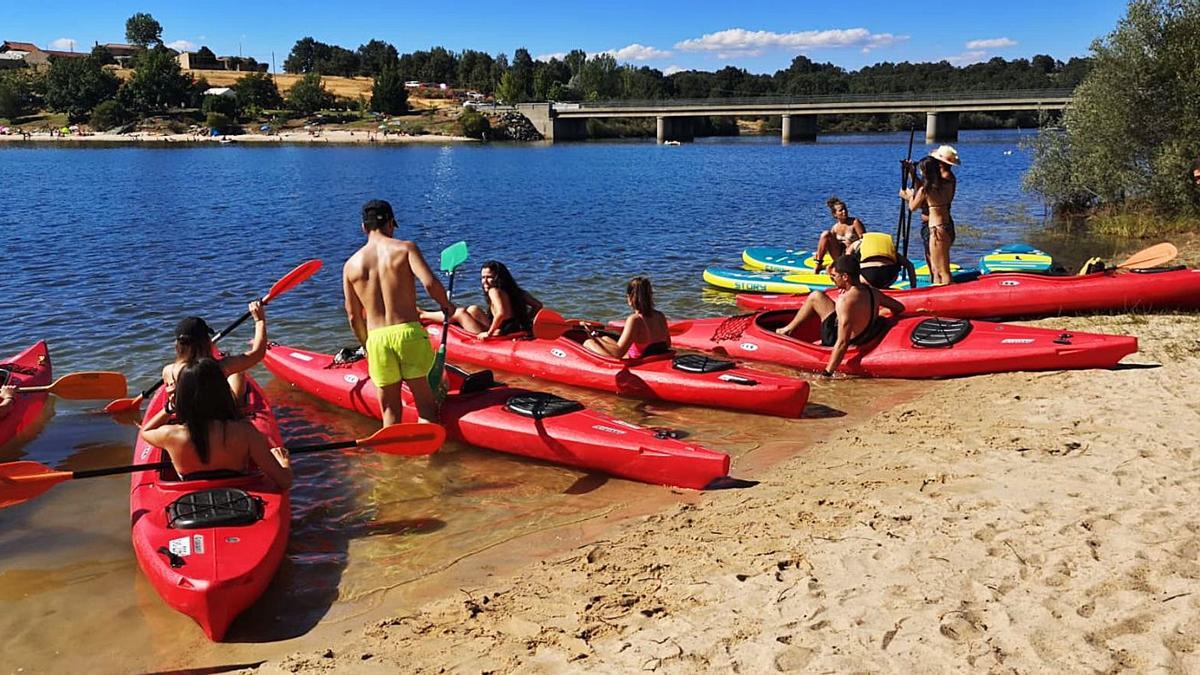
852, 320
381, 303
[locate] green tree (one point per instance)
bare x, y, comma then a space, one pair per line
376, 55
225, 105
142, 30
257, 91
306, 56
309, 95
599, 80
157, 83
388, 95
474, 125
108, 115
76, 86
508, 91
101, 55
205, 54
1132, 129
221, 122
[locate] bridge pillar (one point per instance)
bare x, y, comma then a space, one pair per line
941, 127
674, 129
552, 127
799, 128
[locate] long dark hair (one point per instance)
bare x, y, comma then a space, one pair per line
189, 348
931, 171
202, 396
508, 285
640, 295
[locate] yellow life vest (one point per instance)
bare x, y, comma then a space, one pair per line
877, 244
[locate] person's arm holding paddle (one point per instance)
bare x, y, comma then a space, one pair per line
500, 306
8, 398
273, 462
433, 286
238, 363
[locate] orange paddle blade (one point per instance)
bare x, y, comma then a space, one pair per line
292, 279
550, 325
1159, 254
22, 481
85, 386
411, 439
124, 405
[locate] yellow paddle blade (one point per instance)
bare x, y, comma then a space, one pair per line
85, 386
1159, 254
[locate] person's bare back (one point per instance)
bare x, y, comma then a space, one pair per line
381, 277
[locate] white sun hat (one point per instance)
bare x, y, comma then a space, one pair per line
947, 154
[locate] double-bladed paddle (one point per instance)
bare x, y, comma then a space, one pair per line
1159, 254
289, 281
550, 325
452, 256
22, 481
83, 386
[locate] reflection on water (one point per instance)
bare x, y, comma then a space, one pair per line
219, 225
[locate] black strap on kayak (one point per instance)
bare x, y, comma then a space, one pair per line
175, 561
699, 363
1156, 270
938, 332
219, 507
540, 405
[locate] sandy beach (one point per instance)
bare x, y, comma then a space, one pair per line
1026, 522
336, 136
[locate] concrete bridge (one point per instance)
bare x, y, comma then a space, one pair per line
568, 121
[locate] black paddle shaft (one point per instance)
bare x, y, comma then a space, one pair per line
166, 464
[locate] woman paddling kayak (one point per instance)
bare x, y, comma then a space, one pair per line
209, 437
193, 341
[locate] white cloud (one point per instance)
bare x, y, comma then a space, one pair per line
554, 55
183, 46
64, 44
637, 52
966, 58
742, 42
672, 69
991, 43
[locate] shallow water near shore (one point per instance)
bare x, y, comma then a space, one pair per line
107, 248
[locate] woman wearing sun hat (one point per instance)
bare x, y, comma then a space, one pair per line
933, 191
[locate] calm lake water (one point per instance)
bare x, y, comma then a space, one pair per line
106, 248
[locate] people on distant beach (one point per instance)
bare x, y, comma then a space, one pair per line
852, 320
509, 310
842, 237
8, 399
879, 262
933, 190
379, 286
208, 436
645, 332
193, 341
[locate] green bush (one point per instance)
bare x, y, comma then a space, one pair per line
388, 95
309, 95
226, 105
257, 91
221, 122
474, 125
108, 115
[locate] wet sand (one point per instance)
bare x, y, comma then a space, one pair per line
1017, 522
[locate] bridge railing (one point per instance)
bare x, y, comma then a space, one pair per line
1020, 94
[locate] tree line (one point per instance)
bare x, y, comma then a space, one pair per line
580, 76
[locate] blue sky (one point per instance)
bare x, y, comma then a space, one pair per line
758, 36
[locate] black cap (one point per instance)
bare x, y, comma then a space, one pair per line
193, 328
376, 213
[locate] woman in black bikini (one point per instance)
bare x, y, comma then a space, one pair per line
510, 308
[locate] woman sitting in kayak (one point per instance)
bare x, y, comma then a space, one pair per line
880, 264
8, 399
842, 238
510, 308
645, 332
193, 341
209, 437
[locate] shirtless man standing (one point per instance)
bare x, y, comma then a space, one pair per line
851, 321
381, 303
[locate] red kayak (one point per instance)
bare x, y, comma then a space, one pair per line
684, 378
30, 368
209, 547
1004, 295
517, 421
909, 347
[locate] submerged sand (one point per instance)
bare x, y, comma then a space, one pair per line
1018, 522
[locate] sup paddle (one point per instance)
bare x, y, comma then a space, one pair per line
550, 325
452, 256
22, 481
286, 283
83, 386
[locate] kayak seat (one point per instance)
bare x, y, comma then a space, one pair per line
939, 332
478, 381
219, 507
699, 363
539, 405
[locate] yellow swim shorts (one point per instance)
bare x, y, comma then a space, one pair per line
400, 352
